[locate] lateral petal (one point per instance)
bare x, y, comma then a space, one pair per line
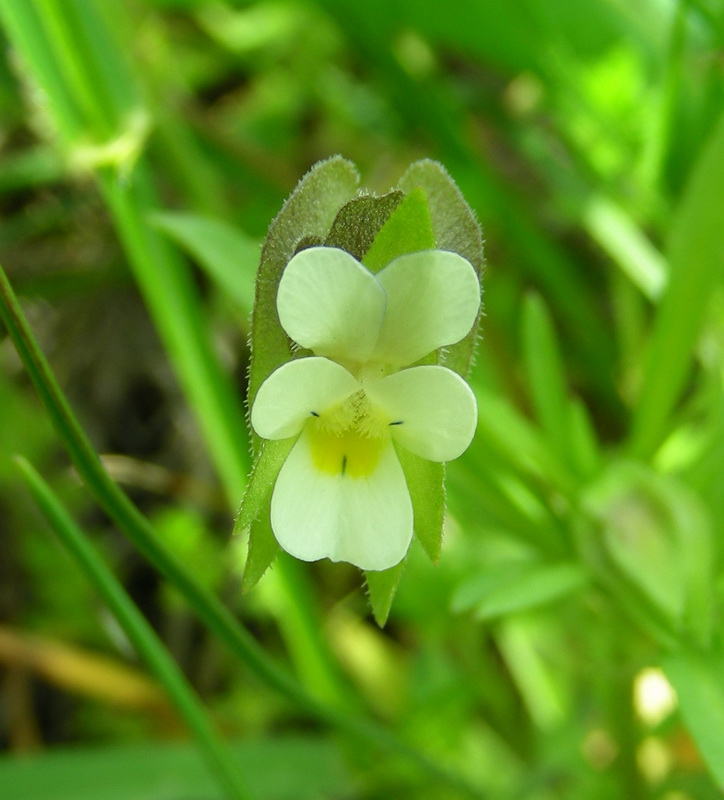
297, 390
433, 298
431, 410
329, 303
365, 521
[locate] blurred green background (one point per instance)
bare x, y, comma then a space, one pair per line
145, 146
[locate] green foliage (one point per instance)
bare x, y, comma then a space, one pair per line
227, 255
312, 769
515, 587
696, 677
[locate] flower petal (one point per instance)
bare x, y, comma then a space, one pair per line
432, 410
433, 298
298, 389
366, 521
329, 303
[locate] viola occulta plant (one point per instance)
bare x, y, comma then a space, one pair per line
364, 327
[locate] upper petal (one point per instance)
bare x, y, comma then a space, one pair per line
329, 303
433, 298
432, 410
296, 390
366, 521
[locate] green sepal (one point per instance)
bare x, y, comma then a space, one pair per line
254, 514
426, 484
263, 549
360, 220
307, 215
271, 458
407, 230
455, 228
381, 588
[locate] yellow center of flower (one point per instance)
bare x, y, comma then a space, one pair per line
348, 439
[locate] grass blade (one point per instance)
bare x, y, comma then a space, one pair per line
139, 632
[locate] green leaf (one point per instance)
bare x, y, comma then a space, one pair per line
455, 228
697, 679
381, 587
585, 448
168, 288
696, 257
518, 440
227, 254
546, 375
141, 635
312, 769
309, 211
657, 534
426, 484
517, 587
359, 221
407, 230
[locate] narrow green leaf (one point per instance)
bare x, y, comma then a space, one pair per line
697, 679
517, 587
309, 211
229, 256
426, 484
546, 375
313, 768
23, 24
381, 587
585, 448
696, 257
167, 286
139, 632
522, 645
407, 230
359, 221
504, 427
619, 235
